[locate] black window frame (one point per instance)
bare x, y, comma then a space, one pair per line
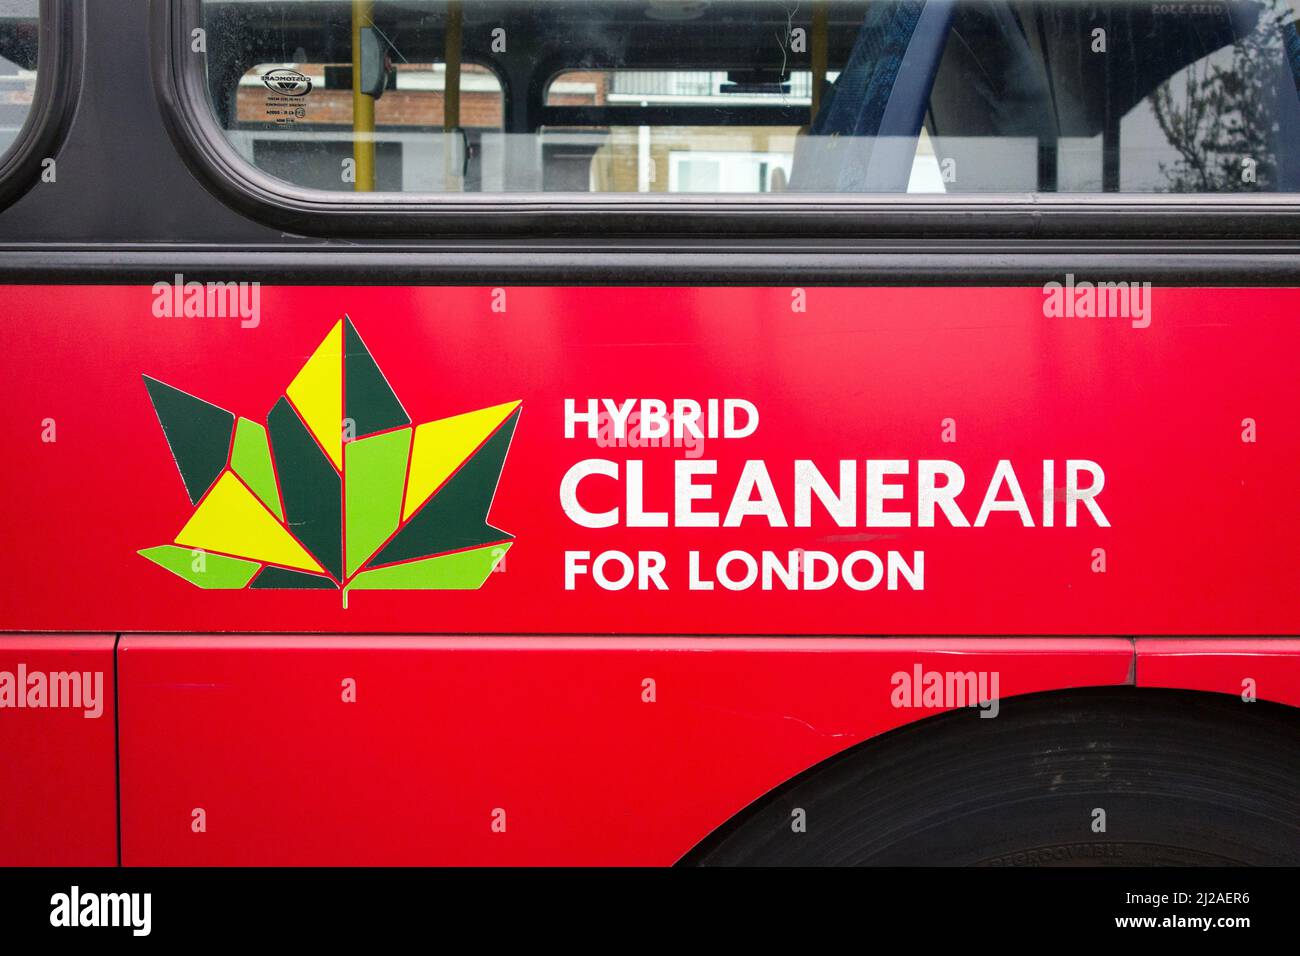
181, 88
54, 99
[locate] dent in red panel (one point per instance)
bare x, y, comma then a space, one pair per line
58, 793
1265, 668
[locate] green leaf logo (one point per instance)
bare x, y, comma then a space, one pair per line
338, 489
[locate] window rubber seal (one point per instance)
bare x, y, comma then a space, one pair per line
60, 35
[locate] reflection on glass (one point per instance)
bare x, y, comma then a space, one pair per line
756, 96
18, 55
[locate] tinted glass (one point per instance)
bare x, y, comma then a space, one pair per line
761, 96
18, 57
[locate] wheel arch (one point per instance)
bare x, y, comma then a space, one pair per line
868, 750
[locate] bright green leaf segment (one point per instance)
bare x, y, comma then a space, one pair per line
251, 460
465, 569
212, 571
374, 479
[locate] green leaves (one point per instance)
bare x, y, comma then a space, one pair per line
317, 499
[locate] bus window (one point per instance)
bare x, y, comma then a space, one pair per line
760, 97
18, 57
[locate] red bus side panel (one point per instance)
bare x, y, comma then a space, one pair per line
58, 779
1193, 419
496, 750
1263, 668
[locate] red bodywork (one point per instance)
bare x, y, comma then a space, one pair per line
58, 774
515, 708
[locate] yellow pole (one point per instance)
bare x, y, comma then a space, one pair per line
452, 174
820, 53
363, 106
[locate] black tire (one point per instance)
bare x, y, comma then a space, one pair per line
1184, 779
